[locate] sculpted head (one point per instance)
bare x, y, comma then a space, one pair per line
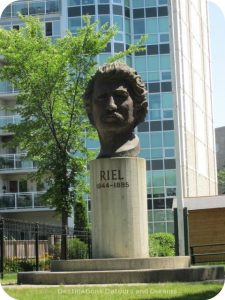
115, 98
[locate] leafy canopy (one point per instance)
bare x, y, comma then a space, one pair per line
51, 78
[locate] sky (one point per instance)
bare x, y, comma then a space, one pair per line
217, 48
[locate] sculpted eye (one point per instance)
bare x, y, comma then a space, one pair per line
121, 96
101, 98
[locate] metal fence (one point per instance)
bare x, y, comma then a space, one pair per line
31, 246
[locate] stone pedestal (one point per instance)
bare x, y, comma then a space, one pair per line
119, 208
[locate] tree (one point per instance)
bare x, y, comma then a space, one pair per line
51, 78
221, 180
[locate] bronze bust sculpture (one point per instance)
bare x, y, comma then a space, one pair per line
116, 103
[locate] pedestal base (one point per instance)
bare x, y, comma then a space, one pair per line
119, 208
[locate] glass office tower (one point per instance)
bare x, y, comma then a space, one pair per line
177, 137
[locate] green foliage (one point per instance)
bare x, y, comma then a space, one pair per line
80, 215
221, 180
161, 244
15, 264
51, 79
77, 249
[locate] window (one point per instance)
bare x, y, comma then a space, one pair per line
154, 87
85, 2
170, 164
158, 178
103, 9
167, 100
149, 203
164, 38
170, 177
74, 11
168, 139
171, 191
155, 101
157, 164
162, 11
148, 165
48, 28
151, 25
152, 49
140, 64
7, 12
151, 12
150, 3
19, 7
139, 13
155, 115
167, 114
137, 4
166, 76
168, 125
118, 47
166, 86
156, 153
170, 152
127, 12
144, 140
88, 10
153, 62
164, 48
156, 139
139, 26
159, 204
118, 20
165, 62
158, 192
103, 20
156, 126
117, 10
52, 6
143, 127
74, 24
163, 24
17, 27
74, 2
37, 7
108, 48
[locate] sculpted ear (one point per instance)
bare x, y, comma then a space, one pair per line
140, 112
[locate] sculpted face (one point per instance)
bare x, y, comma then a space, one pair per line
112, 106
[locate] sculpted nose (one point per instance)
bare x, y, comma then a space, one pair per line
111, 104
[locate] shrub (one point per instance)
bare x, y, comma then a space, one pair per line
77, 249
161, 244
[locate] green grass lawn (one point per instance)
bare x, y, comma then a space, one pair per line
10, 278
177, 291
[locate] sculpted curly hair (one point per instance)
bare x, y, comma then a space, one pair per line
120, 72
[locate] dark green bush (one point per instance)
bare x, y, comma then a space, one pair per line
77, 249
161, 244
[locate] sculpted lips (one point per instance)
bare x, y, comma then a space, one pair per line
112, 117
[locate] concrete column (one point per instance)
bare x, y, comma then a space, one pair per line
119, 208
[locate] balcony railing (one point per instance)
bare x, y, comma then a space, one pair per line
26, 200
11, 162
7, 88
6, 120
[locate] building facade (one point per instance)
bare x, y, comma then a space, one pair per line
177, 137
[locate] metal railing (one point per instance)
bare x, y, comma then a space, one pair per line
7, 88
207, 253
31, 246
6, 120
25, 200
16, 162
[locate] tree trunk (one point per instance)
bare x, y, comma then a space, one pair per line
64, 235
